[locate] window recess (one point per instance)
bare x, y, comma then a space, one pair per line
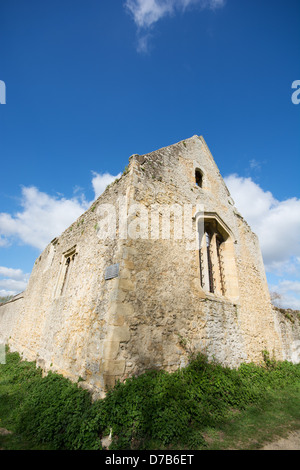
66, 267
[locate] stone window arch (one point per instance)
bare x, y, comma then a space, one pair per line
199, 177
217, 266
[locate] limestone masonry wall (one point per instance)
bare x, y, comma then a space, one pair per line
158, 307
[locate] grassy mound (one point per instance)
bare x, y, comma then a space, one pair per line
155, 410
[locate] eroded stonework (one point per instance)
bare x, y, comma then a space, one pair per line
188, 281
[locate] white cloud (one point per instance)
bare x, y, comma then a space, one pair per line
10, 286
5, 293
16, 274
277, 223
12, 281
101, 181
3, 242
44, 217
146, 13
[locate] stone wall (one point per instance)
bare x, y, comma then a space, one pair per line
68, 333
166, 291
288, 325
10, 313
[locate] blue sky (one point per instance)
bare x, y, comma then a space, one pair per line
89, 83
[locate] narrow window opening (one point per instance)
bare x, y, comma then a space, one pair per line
67, 264
217, 257
220, 264
198, 178
65, 272
201, 263
209, 263
211, 260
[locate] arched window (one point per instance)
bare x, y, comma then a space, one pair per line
198, 177
211, 259
66, 266
218, 273
207, 254
68, 263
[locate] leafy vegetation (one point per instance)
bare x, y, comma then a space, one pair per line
186, 409
5, 299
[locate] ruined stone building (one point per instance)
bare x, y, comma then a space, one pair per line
161, 264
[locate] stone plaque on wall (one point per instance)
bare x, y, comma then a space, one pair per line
112, 271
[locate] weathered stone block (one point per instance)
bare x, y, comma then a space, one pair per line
113, 367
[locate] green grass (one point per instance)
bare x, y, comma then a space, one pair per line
258, 425
203, 406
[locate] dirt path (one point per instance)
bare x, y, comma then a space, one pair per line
4, 432
291, 442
